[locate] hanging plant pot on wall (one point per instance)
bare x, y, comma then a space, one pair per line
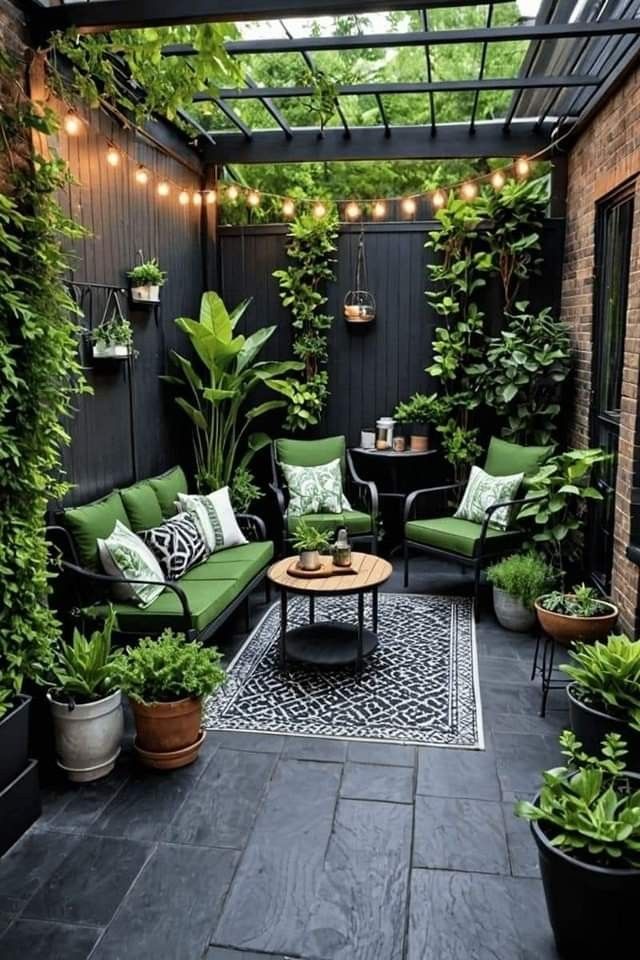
146, 279
359, 303
112, 339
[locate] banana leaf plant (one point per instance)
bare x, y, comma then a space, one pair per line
219, 388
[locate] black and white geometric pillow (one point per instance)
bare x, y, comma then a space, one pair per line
177, 544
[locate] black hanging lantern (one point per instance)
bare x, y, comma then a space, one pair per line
359, 303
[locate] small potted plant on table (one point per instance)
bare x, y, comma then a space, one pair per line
309, 542
578, 616
586, 825
113, 339
418, 413
86, 704
517, 581
146, 280
604, 695
165, 680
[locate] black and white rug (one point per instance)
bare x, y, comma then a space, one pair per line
419, 686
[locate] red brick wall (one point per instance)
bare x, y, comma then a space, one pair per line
605, 156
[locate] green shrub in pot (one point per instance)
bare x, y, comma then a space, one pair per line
165, 679
586, 824
604, 695
146, 279
578, 616
518, 581
310, 543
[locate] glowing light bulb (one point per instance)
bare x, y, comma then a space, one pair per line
197, 199
183, 198
164, 189
522, 167
319, 210
438, 200
72, 123
113, 156
469, 190
211, 196
232, 192
352, 210
379, 209
288, 208
142, 175
498, 180
253, 198
409, 206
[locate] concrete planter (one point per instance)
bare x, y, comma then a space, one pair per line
148, 293
110, 351
309, 560
511, 613
88, 736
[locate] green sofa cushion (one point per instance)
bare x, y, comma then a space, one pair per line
142, 506
207, 599
240, 564
355, 521
167, 486
311, 453
504, 459
460, 536
93, 520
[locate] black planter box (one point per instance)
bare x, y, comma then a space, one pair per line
14, 740
19, 806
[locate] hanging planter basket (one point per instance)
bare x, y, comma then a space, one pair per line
359, 303
104, 346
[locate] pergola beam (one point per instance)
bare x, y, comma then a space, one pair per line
373, 143
375, 89
128, 14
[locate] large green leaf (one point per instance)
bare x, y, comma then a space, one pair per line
252, 347
238, 312
187, 368
258, 411
214, 316
195, 415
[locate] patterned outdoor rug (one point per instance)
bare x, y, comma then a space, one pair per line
419, 686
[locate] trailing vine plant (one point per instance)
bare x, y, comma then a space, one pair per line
311, 249
40, 376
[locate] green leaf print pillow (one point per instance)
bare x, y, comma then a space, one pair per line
315, 489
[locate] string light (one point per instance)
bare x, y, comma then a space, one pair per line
113, 156
522, 167
183, 198
379, 209
469, 190
211, 197
353, 211
72, 123
142, 175
498, 180
253, 198
409, 206
319, 210
232, 192
197, 199
438, 200
288, 208
163, 188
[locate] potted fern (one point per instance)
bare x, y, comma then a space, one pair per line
517, 581
146, 279
86, 704
310, 542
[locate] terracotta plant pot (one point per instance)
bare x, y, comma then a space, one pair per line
168, 735
418, 444
567, 630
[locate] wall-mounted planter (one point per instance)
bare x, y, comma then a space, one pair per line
149, 293
20, 805
14, 741
110, 351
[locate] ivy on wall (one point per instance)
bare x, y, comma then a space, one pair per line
311, 249
40, 376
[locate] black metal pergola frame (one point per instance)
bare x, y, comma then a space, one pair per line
596, 53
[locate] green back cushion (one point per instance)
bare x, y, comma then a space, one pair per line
166, 487
311, 453
142, 506
94, 520
504, 459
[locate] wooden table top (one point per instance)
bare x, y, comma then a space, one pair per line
372, 571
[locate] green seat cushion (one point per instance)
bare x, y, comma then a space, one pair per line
460, 536
240, 564
167, 486
355, 521
141, 503
93, 520
505, 459
207, 599
311, 453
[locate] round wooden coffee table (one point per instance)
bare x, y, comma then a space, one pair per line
330, 643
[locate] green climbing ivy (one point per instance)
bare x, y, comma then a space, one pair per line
311, 249
40, 376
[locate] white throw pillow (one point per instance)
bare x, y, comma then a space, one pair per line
483, 491
123, 554
214, 515
315, 489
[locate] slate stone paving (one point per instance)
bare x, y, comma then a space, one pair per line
271, 848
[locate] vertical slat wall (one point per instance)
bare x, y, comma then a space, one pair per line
123, 217
370, 368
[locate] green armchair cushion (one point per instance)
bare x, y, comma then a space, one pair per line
92, 521
460, 536
142, 506
504, 459
311, 453
355, 521
167, 486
